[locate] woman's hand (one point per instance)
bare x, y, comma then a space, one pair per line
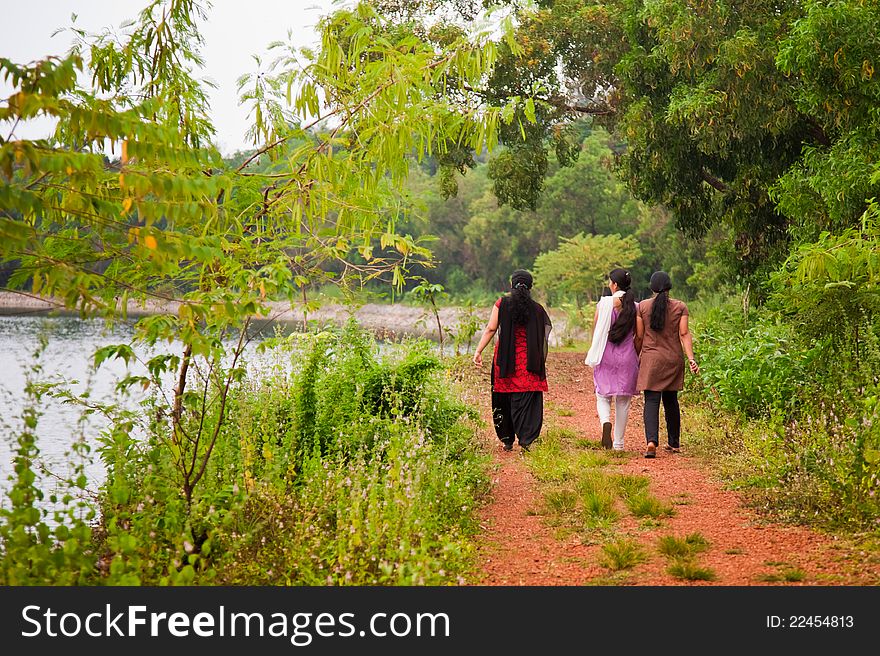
695, 368
478, 359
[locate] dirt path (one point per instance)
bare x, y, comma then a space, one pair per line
521, 547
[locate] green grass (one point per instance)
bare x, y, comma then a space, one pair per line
560, 501
560, 434
592, 460
649, 524
645, 505
598, 504
565, 412
736, 551
629, 485
548, 462
622, 554
689, 570
696, 542
620, 577
585, 443
794, 575
674, 547
787, 575
594, 479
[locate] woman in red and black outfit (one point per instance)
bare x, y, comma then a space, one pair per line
519, 376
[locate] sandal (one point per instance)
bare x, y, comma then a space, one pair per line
606, 435
672, 449
651, 451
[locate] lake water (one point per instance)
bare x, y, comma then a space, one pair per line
68, 356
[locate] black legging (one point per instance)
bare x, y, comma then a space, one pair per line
652, 417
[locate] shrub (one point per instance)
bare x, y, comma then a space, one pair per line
622, 554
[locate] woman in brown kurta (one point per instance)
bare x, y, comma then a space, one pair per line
661, 336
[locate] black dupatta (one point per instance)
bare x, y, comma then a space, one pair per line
537, 335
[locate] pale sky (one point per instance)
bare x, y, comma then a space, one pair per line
234, 32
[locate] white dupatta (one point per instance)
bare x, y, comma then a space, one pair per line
603, 325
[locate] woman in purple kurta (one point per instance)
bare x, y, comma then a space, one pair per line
616, 374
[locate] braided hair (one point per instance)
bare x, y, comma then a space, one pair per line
521, 307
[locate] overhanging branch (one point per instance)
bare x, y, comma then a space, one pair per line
713, 181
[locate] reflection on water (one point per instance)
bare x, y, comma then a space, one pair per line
68, 355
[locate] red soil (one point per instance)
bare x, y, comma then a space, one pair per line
519, 547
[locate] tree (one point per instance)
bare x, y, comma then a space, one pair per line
586, 196
167, 222
755, 115
578, 269
832, 51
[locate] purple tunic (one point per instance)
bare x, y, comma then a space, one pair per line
617, 373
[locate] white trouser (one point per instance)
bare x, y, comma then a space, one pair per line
621, 412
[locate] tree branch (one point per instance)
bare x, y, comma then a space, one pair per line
816, 131
713, 181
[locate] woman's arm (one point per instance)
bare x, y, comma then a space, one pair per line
687, 344
488, 334
640, 333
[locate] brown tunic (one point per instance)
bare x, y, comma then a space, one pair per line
661, 362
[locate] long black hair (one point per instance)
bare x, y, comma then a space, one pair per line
660, 284
627, 317
521, 304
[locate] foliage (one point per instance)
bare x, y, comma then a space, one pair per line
429, 294
755, 116
815, 454
832, 50
38, 544
622, 554
468, 324
378, 447
169, 223
830, 288
479, 242
578, 268
392, 461
755, 369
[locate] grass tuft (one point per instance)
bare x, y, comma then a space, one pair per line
598, 504
787, 575
674, 547
689, 570
645, 505
622, 554
561, 501
629, 485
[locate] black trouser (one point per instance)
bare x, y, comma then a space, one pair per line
518, 414
652, 417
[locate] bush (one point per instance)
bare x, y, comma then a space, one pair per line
812, 447
332, 466
756, 368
